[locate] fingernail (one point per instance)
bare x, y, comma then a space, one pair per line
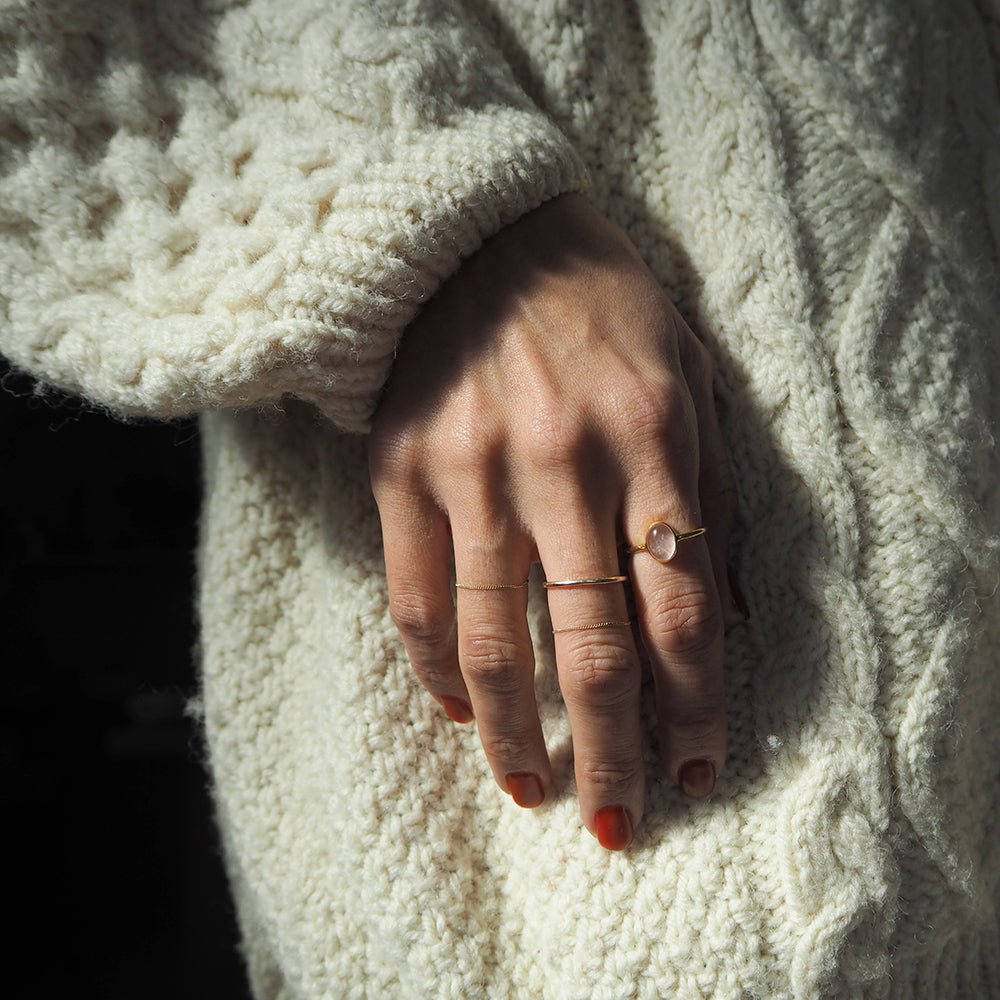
696, 777
525, 789
739, 600
458, 710
614, 828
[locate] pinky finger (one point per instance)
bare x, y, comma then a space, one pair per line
716, 484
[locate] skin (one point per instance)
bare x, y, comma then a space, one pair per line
548, 404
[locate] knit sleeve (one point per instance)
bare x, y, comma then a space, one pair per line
215, 204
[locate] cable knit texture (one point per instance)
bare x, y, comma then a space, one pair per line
236, 208
266, 191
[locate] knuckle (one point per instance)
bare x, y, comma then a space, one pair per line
506, 748
688, 625
661, 417
393, 456
419, 621
678, 420
698, 730
490, 662
554, 439
434, 675
611, 779
603, 674
468, 447
645, 410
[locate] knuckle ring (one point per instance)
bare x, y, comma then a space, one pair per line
661, 541
597, 581
491, 586
589, 628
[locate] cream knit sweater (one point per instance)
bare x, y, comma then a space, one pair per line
235, 208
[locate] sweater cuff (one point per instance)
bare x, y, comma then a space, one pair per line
266, 225
320, 313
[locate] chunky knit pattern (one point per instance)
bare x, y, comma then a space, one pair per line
268, 216
236, 209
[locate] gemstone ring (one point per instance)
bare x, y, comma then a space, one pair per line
661, 541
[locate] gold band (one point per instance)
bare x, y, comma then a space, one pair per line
590, 628
492, 586
597, 581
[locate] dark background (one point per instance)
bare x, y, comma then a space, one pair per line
117, 884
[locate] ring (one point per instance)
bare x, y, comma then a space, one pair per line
492, 586
597, 581
589, 628
661, 541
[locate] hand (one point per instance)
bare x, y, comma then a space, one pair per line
548, 404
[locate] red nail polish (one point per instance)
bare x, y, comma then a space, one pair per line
525, 789
614, 828
696, 778
458, 710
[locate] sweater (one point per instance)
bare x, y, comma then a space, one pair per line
235, 207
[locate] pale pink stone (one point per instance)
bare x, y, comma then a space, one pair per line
661, 542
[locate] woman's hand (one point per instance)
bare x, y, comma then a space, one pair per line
549, 404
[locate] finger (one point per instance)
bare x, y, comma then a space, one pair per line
492, 559
682, 627
417, 545
678, 605
716, 484
599, 674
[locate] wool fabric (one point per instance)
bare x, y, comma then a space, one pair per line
235, 209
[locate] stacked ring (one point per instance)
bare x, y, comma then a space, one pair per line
597, 581
596, 625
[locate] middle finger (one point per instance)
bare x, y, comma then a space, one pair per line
599, 673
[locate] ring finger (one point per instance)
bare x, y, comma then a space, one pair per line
682, 626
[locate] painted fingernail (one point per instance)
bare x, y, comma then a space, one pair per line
458, 710
738, 599
614, 828
525, 789
696, 777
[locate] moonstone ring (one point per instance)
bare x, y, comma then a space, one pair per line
661, 541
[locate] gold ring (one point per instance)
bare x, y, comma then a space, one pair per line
661, 541
589, 628
597, 581
492, 586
